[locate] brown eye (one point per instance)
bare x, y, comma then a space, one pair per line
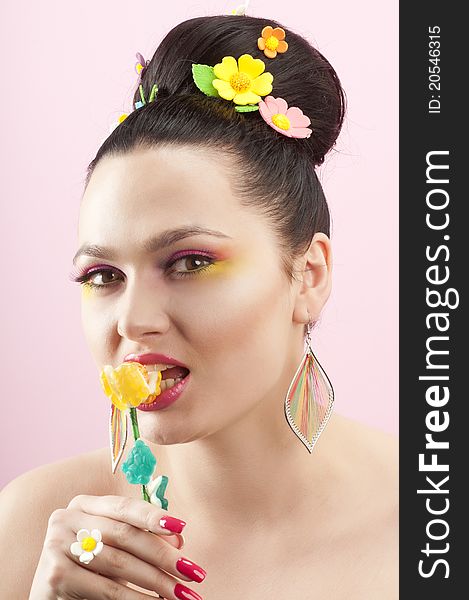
193, 263
105, 275
89, 278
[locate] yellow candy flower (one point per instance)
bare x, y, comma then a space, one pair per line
130, 384
243, 82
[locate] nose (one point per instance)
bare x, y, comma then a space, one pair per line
141, 310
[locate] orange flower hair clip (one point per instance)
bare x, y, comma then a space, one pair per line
272, 41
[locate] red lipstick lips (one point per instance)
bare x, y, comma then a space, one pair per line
153, 359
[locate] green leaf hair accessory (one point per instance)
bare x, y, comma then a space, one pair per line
247, 108
203, 76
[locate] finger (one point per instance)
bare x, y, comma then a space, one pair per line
177, 540
119, 566
83, 583
142, 552
137, 512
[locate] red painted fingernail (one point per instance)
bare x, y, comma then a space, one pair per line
172, 524
190, 569
184, 593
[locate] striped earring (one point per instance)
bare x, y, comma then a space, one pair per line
310, 397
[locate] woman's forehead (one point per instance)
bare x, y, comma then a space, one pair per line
151, 190
171, 184
168, 171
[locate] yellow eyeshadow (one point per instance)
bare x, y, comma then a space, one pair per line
223, 267
86, 291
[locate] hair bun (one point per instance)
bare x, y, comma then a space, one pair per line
302, 75
266, 170
324, 104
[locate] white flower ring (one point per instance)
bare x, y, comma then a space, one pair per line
88, 545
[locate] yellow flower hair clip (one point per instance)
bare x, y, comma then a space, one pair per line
241, 9
243, 81
272, 41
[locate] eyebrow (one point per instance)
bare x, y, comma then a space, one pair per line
153, 244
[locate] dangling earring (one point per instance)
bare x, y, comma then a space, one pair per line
310, 397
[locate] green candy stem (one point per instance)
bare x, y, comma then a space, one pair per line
136, 432
133, 419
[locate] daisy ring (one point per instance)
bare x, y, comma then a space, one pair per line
88, 545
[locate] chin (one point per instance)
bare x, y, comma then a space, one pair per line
166, 435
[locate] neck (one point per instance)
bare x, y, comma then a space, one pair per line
249, 472
218, 481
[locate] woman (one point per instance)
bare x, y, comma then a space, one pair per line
230, 296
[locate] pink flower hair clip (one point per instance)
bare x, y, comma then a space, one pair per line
140, 64
287, 121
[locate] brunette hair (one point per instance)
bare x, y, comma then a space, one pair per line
268, 171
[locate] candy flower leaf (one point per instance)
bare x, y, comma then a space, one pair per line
140, 464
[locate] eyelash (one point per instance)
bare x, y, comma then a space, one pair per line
84, 279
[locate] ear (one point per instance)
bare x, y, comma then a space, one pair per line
314, 274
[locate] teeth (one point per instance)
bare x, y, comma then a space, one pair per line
167, 383
158, 367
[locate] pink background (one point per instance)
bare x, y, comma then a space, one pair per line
68, 72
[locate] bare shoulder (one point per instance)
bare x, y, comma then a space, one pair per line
53, 485
376, 451
371, 459
66, 469
27, 502
372, 508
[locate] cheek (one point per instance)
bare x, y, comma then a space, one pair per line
235, 323
238, 341
96, 328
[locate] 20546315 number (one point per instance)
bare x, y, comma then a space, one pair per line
434, 44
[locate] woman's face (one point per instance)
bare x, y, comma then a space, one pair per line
230, 323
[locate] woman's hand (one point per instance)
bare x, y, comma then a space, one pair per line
132, 553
